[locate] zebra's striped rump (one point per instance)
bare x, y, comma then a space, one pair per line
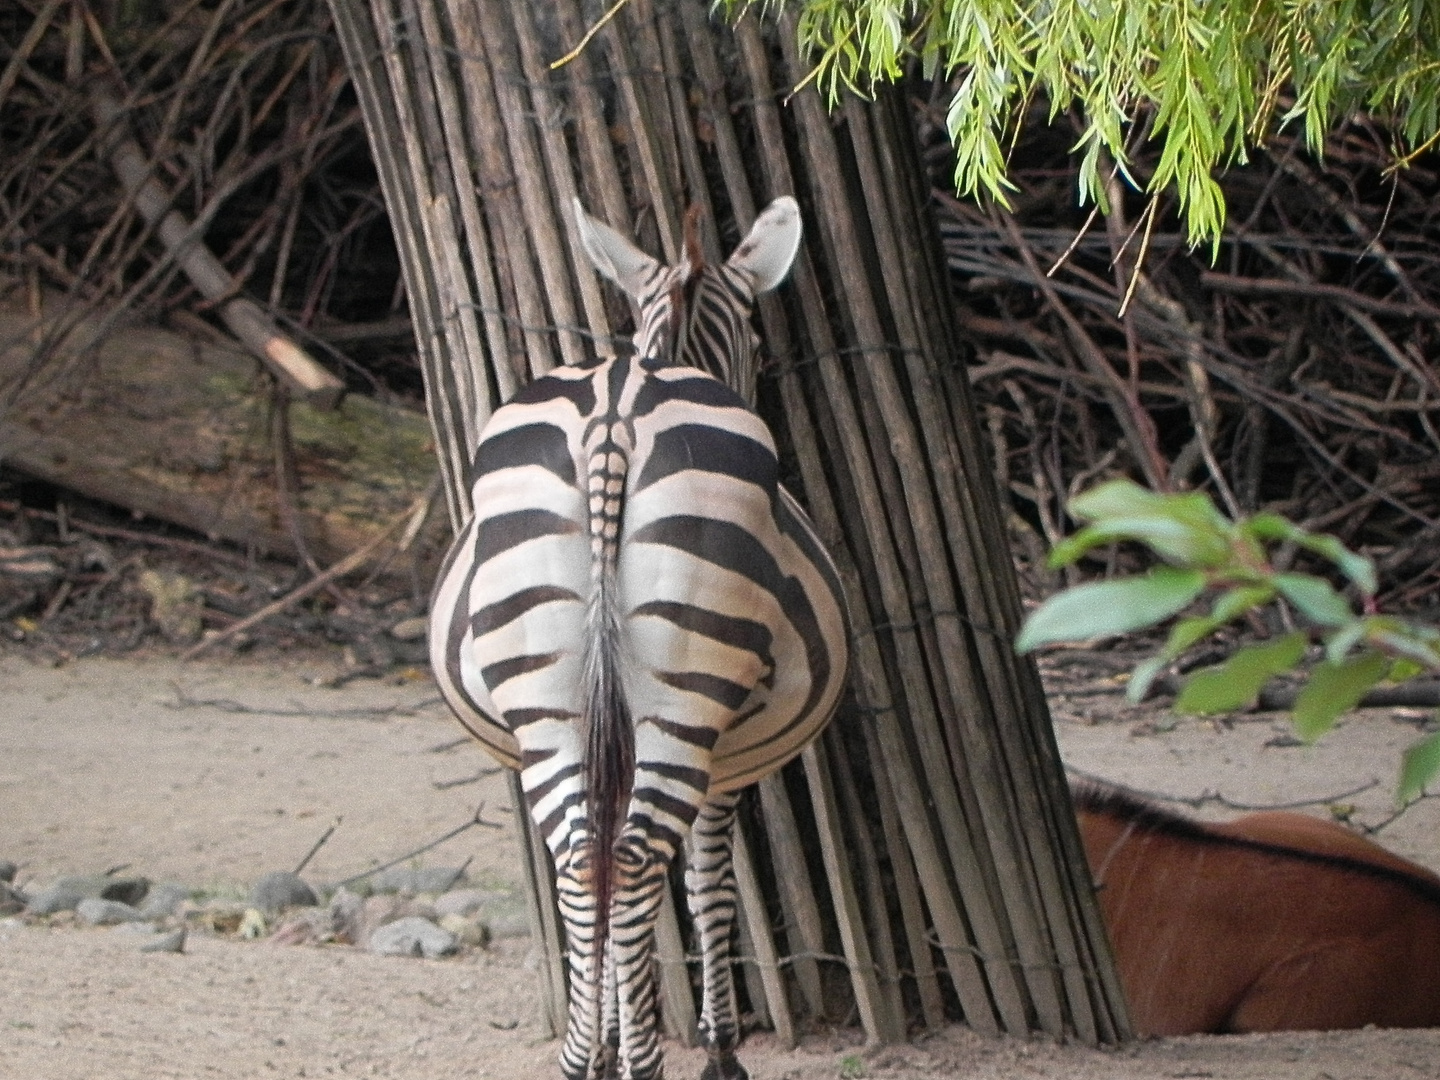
641, 620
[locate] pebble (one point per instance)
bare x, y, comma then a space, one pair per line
222, 916
417, 906
413, 936
471, 932
468, 901
513, 923
346, 915
164, 900
173, 941
12, 900
281, 889
410, 629
405, 879
504, 913
416, 912
375, 912
8, 870
100, 912
307, 926
66, 893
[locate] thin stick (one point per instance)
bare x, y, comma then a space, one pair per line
319, 844
340, 569
475, 820
194, 547
600, 25
245, 318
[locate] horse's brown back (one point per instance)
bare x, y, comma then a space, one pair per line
1320, 836
1275, 921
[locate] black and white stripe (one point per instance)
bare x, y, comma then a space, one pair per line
641, 620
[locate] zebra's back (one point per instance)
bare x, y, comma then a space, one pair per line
731, 617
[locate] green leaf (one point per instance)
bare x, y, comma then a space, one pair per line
1338, 644
1357, 568
1187, 632
1070, 549
1174, 540
1273, 527
1334, 689
1115, 498
1141, 678
1184, 529
1403, 670
1127, 499
1106, 608
1418, 766
1399, 638
1315, 598
1238, 601
1237, 682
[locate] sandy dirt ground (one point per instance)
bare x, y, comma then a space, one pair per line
212, 774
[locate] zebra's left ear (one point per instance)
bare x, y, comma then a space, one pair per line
766, 254
613, 255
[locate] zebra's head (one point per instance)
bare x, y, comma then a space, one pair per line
692, 313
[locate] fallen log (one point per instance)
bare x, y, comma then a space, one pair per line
177, 428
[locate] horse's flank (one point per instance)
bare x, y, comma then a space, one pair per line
1274, 921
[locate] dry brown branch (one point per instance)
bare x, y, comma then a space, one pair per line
1255, 286
351, 562
296, 368
1305, 356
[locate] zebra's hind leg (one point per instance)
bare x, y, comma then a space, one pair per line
591, 1050
710, 893
639, 890
578, 1057
608, 1065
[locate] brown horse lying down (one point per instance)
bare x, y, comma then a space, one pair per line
1272, 922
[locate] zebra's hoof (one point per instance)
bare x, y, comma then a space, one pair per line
724, 1066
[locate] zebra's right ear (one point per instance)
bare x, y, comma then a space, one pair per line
768, 251
613, 255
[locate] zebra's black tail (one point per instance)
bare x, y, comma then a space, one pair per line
610, 738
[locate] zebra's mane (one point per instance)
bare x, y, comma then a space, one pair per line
1126, 806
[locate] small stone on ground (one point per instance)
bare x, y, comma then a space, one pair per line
100, 912
413, 936
280, 889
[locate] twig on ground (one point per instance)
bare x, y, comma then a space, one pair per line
351, 562
318, 844
475, 820
184, 701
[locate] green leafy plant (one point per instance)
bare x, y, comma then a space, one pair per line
1216, 571
1204, 81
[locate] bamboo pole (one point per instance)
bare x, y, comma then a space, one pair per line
767, 959
804, 927
865, 861
534, 187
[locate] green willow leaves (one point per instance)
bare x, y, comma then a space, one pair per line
1207, 79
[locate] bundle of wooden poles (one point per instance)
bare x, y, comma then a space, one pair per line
919, 864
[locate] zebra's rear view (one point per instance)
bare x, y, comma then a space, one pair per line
641, 620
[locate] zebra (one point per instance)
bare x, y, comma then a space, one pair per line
641, 620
